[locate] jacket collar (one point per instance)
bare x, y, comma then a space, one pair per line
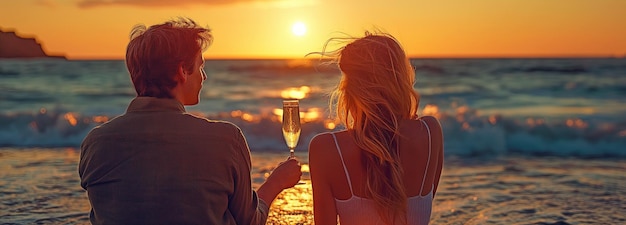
147, 104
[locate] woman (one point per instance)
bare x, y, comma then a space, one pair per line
385, 167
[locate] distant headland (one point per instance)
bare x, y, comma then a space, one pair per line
16, 46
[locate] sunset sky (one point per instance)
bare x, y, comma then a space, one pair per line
99, 29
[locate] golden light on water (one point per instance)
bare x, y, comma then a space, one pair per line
296, 92
576, 123
534, 122
431, 110
330, 124
100, 119
305, 168
313, 114
236, 113
293, 206
278, 112
245, 116
71, 118
310, 115
462, 109
493, 119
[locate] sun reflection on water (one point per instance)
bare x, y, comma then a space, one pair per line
431, 110
100, 119
293, 206
576, 123
71, 118
308, 115
330, 124
296, 92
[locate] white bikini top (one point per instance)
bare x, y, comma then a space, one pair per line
362, 211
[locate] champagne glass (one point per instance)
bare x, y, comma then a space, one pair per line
291, 123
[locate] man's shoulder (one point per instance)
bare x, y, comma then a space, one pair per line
214, 124
189, 124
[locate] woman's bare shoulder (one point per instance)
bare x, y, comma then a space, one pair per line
320, 138
323, 144
435, 130
320, 144
429, 119
432, 122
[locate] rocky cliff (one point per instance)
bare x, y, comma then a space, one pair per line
14, 46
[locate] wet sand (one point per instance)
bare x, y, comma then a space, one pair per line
41, 186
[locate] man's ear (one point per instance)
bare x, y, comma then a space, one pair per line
181, 74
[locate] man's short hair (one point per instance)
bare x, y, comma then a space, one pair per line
153, 55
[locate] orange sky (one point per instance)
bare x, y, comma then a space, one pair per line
98, 29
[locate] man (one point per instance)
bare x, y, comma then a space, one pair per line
157, 164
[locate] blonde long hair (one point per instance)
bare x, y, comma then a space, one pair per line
375, 92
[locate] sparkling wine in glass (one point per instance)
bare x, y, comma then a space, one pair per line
291, 123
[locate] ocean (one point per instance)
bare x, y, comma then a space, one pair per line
550, 121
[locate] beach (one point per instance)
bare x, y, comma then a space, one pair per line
41, 186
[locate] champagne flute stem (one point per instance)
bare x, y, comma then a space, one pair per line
291, 153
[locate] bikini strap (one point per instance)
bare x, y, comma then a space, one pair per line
429, 150
343, 163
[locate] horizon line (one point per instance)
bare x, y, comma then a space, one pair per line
410, 57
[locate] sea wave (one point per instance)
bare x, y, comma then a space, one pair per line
467, 133
560, 107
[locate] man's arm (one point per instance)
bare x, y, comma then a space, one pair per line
245, 205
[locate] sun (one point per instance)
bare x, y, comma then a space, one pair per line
298, 28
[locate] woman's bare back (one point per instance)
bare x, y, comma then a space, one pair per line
415, 158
